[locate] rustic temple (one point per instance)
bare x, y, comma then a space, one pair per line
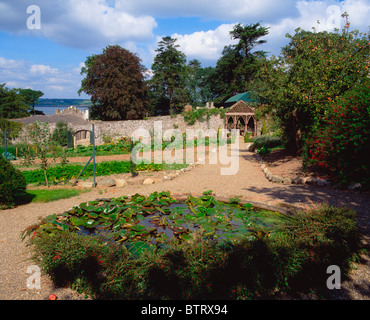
241, 115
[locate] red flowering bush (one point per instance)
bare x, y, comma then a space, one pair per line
341, 144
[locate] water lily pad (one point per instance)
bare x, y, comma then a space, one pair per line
77, 222
138, 227
88, 208
91, 223
223, 226
220, 217
92, 215
186, 237
128, 213
140, 217
190, 217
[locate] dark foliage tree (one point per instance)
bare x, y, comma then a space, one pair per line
12, 104
116, 83
198, 83
238, 64
168, 84
31, 97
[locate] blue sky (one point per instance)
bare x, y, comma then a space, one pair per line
50, 58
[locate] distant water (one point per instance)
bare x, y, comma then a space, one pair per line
49, 111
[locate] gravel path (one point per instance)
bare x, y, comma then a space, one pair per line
249, 184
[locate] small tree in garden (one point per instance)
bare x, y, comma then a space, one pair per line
60, 133
40, 137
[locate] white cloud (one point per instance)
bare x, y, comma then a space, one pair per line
205, 45
78, 23
10, 63
58, 88
53, 82
42, 69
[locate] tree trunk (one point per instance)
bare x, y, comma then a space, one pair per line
296, 131
46, 179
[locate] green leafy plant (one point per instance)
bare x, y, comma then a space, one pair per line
59, 135
264, 151
266, 141
9, 156
12, 184
71, 171
341, 144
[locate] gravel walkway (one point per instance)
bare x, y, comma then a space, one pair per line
249, 184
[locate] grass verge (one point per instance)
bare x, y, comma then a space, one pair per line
44, 196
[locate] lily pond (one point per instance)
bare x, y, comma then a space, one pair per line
140, 223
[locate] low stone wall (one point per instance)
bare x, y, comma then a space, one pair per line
118, 129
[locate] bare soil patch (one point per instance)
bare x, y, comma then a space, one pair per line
288, 164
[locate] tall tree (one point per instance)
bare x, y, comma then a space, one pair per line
31, 97
12, 104
116, 83
239, 63
198, 84
168, 84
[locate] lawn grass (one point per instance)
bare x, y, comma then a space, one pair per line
46, 195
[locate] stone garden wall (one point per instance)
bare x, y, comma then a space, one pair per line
118, 129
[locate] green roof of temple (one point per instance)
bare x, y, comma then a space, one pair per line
241, 97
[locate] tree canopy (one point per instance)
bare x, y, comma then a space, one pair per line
313, 69
318, 92
238, 64
12, 104
168, 84
116, 83
31, 97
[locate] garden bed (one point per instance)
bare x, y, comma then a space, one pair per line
163, 247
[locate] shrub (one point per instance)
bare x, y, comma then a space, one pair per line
266, 141
264, 151
201, 115
12, 129
341, 144
60, 133
12, 184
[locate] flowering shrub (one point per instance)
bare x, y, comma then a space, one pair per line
341, 144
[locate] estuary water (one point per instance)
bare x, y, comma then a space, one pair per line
48, 111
